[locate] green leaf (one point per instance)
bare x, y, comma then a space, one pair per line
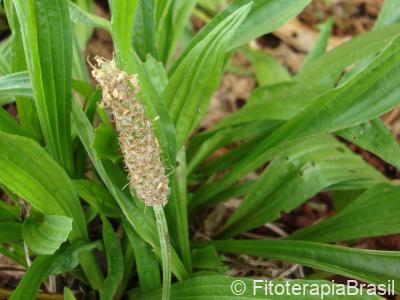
19, 259
144, 30
80, 16
16, 84
365, 97
129, 269
267, 69
146, 264
191, 86
29, 172
161, 11
27, 287
47, 41
207, 259
287, 100
5, 54
179, 223
68, 294
9, 212
368, 95
98, 197
283, 100
82, 33
123, 15
204, 144
67, 259
321, 44
367, 265
220, 288
173, 26
63, 260
10, 231
373, 213
264, 17
32, 174
27, 113
106, 143
327, 69
156, 74
115, 262
389, 14
294, 176
375, 137
8, 124
342, 198
46, 236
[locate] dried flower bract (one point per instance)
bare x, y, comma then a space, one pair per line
139, 145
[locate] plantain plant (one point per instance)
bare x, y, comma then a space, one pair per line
81, 154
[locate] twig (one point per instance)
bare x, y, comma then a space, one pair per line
52, 284
288, 271
11, 269
276, 229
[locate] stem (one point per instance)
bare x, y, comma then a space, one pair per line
180, 193
165, 249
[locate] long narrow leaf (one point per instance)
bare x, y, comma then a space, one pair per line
190, 88
374, 213
79, 16
27, 113
296, 175
223, 288
372, 92
16, 84
368, 265
115, 262
8, 124
264, 17
63, 260
47, 39
32, 174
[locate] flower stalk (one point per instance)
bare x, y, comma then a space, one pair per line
141, 150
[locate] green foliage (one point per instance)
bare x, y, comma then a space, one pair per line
15, 84
80, 16
63, 260
204, 65
62, 170
219, 287
10, 231
359, 218
115, 262
47, 40
367, 265
45, 237
302, 170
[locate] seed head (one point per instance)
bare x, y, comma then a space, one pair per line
142, 153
